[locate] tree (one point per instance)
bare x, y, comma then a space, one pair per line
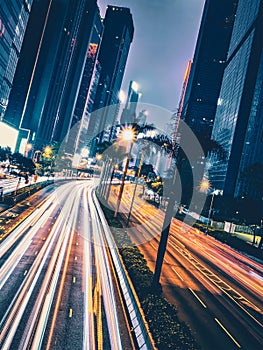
184, 168
5, 153
23, 163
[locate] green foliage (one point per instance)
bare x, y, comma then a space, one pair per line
232, 241
23, 163
169, 332
156, 186
5, 153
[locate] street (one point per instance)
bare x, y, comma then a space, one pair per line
56, 283
218, 291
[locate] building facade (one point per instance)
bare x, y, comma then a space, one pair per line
26, 66
113, 54
239, 118
129, 112
88, 86
56, 47
208, 65
14, 16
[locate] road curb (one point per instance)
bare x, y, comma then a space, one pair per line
135, 313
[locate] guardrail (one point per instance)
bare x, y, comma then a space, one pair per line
140, 327
22, 193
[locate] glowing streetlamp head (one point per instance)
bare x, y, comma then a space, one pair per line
205, 185
48, 150
127, 134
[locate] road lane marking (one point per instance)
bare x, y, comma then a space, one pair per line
152, 245
226, 331
179, 243
197, 297
216, 281
181, 278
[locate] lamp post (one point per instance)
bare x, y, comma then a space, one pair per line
205, 186
116, 166
48, 151
128, 135
136, 184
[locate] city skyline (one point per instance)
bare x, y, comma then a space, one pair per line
119, 230
164, 41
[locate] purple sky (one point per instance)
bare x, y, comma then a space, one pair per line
164, 41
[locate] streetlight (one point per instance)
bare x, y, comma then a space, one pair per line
116, 167
136, 184
126, 135
205, 186
48, 151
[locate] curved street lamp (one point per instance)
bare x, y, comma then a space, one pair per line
205, 185
127, 135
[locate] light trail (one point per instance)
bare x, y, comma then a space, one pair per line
13, 315
89, 333
104, 273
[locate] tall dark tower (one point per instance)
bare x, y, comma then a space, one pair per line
62, 38
27, 59
239, 117
116, 41
208, 65
14, 16
129, 111
88, 86
83, 16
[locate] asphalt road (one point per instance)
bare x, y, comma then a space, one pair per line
218, 291
56, 285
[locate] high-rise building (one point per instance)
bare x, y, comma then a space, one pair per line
57, 42
28, 59
209, 61
88, 86
116, 41
129, 111
83, 15
14, 16
239, 117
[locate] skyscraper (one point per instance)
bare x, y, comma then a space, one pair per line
14, 16
89, 85
71, 57
239, 117
117, 37
209, 60
129, 111
59, 46
26, 65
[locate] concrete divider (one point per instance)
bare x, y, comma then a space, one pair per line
140, 327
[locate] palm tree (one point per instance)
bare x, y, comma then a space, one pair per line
183, 167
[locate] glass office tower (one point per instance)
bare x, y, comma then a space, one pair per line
14, 16
238, 122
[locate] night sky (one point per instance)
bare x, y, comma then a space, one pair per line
164, 41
